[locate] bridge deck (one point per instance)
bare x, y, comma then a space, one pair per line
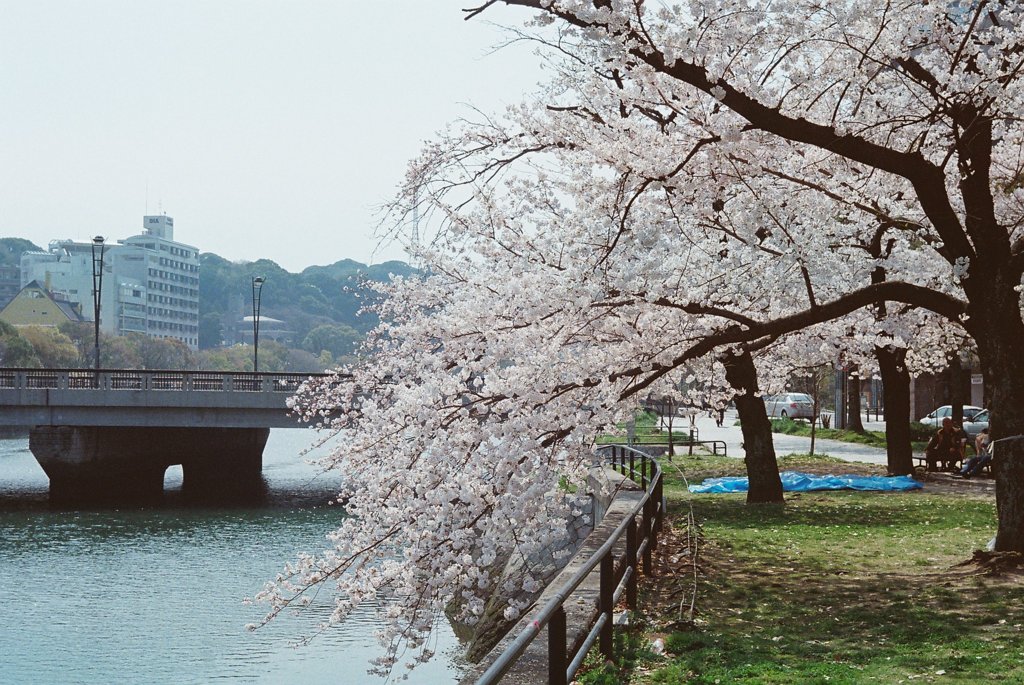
83, 397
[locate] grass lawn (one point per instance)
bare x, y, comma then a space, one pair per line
833, 587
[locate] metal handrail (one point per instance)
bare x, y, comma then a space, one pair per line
552, 614
151, 379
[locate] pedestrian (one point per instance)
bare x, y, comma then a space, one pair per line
720, 419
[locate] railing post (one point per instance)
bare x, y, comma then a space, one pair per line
556, 649
631, 545
607, 596
649, 536
643, 473
659, 500
632, 464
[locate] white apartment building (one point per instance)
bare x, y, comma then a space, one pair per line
150, 282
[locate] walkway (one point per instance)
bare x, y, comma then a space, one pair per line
785, 444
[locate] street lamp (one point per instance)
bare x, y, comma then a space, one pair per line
97, 293
257, 292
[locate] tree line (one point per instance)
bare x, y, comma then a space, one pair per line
323, 308
71, 345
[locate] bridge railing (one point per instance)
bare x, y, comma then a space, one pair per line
641, 528
130, 379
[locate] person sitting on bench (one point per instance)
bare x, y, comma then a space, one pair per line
983, 447
946, 447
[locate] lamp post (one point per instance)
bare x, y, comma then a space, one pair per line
257, 292
98, 248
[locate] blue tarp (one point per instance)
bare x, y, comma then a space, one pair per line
795, 481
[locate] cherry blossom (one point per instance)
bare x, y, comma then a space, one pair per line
794, 180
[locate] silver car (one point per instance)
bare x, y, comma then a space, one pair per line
976, 423
794, 405
946, 412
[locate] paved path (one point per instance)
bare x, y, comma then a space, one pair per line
784, 444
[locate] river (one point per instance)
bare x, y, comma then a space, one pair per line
155, 595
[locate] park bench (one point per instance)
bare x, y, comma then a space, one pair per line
920, 462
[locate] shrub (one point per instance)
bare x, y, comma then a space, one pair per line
921, 432
787, 425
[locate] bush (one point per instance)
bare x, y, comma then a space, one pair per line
921, 432
788, 426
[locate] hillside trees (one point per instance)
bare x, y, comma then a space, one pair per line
12, 248
16, 351
330, 295
340, 340
53, 349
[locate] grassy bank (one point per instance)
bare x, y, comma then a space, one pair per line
646, 431
837, 587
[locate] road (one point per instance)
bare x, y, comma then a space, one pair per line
784, 444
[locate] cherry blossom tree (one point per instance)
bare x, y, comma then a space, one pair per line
901, 113
704, 186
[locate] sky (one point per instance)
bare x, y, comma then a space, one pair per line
266, 129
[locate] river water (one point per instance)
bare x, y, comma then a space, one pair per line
154, 595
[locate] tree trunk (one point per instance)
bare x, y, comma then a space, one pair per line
1008, 467
815, 408
762, 468
896, 394
998, 330
671, 418
956, 389
853, 421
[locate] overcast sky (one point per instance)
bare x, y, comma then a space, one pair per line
269, 128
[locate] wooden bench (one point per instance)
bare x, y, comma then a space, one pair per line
921, 462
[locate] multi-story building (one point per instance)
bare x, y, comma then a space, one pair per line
10, 283
150, 281
170, 271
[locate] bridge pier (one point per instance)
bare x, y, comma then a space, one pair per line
223, 463
126, 465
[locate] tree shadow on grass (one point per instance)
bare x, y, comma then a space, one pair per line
776, 614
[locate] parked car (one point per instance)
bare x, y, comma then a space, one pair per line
795, 405
976, 423
946, 411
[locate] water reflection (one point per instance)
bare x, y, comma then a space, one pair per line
153, 595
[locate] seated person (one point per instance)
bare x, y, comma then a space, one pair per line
983, 447
946, 447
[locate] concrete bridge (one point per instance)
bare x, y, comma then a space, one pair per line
108, 436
